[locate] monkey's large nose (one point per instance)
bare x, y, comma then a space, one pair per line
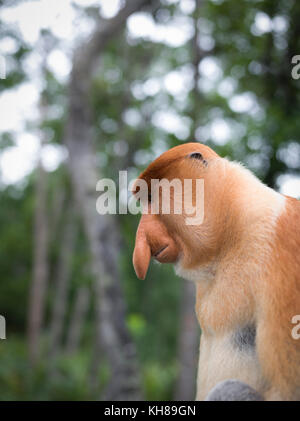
152, 239
141, 254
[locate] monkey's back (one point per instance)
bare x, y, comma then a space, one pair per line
278, 348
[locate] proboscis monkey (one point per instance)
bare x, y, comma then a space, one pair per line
245, 260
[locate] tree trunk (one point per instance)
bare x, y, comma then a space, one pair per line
102, 231
40, 252
41, 229
96, 360
77, 320
40, 267
61, 286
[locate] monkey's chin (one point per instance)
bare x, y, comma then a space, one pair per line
181, 271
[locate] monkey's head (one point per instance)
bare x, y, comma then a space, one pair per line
168, 231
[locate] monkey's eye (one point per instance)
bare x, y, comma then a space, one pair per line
199, 156
196, 155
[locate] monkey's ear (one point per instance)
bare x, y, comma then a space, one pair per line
198, 156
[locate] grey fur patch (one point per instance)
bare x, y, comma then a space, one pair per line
244, 338
233, 390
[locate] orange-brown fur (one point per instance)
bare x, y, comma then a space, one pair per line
278, 300
245, 261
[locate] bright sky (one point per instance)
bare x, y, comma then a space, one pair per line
62, 18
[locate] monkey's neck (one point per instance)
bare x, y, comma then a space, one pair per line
254, 208
247, 221
227, 285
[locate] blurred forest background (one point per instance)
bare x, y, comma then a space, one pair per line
93, 87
